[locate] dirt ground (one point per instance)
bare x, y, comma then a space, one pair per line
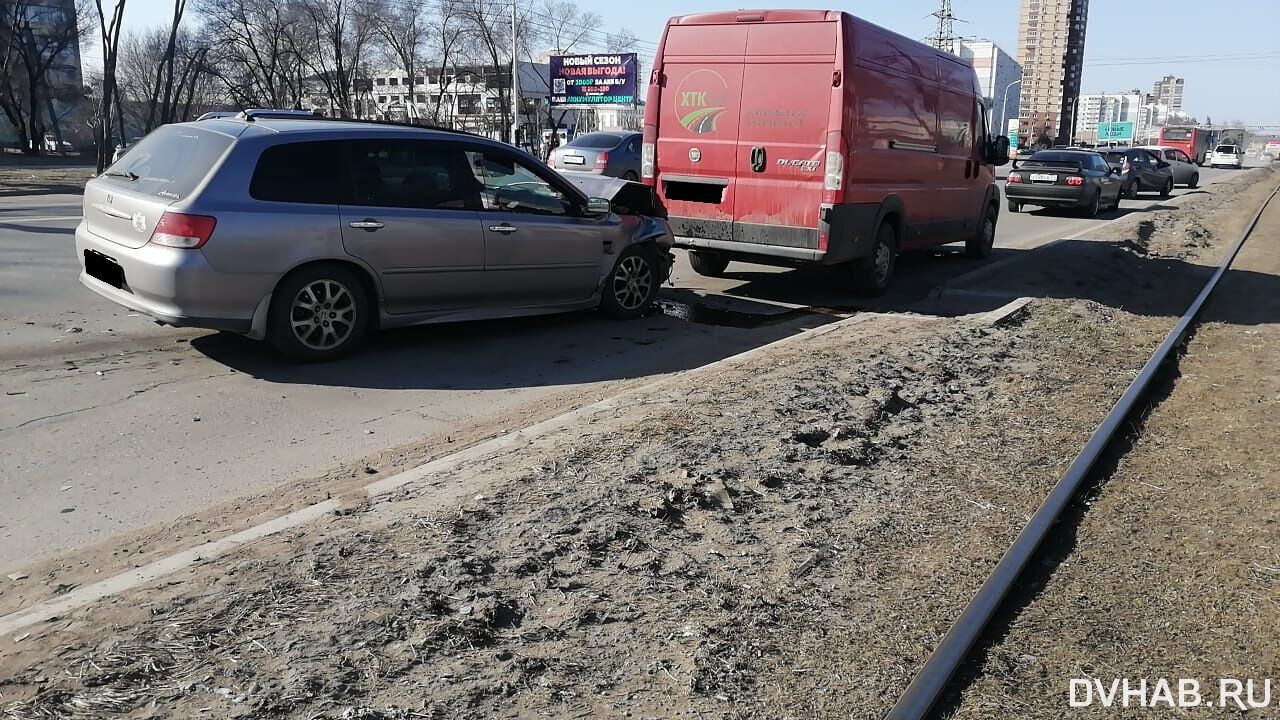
1174, 571
785, 536
42, 176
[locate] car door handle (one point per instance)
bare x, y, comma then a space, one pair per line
367, 224
505, 229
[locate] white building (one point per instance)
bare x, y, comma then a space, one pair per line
1096, 108
997, 71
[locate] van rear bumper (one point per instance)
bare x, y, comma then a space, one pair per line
849, 229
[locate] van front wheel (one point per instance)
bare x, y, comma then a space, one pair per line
871, 274
979, 246
710, 264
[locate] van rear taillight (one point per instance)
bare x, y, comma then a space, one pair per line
179, 230
835, 171
646, 161
602, 161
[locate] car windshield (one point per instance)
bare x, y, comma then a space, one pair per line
596, 141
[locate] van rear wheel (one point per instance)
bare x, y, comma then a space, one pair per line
871, 274
710, 264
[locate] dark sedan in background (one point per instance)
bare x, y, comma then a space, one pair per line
1078, 179
616, 154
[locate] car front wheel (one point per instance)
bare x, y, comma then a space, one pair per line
979, 246
632, 286
318, 313
1167, 189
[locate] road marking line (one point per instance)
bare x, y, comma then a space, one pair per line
84, 595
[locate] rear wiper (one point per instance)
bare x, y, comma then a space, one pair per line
126, 174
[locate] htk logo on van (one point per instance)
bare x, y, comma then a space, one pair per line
1165, 693
701, 99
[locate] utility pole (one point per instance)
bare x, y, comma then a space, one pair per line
515, 81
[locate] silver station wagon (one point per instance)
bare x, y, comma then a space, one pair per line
310, 232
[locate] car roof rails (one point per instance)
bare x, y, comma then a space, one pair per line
265, 114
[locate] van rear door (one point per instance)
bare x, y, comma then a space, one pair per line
698, 127
788, 82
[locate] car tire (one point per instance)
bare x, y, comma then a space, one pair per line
296, 325
1167, 189
979, 246
1015, 206
1195, 180
632, 285
1094, 207
708, 263
871, 274
630, 176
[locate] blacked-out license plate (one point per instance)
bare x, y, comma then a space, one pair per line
104, 268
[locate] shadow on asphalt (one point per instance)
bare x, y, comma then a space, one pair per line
518, 353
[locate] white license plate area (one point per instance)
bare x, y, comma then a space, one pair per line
574, 160
1043, 177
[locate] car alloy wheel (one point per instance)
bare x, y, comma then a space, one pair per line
632, 283
323, 315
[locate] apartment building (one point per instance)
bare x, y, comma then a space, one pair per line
1051, 37
1096, 108
997, 73
1168, 91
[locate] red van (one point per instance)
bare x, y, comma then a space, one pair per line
787, 136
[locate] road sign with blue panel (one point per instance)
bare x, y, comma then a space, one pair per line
1115, 131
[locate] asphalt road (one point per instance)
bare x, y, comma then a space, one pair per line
110, 423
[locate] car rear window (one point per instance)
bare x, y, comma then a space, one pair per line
304, 172
1058, 157
1114, 158
170, 162
596, 141
1226, 149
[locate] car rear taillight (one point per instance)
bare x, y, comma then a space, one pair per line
646, 161
179, 230
1015, 178
1124, 168
834, 179
1075, 181
602, 161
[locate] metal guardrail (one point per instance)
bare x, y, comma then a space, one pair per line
932, 679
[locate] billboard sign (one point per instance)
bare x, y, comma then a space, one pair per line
1115, 131
587, 80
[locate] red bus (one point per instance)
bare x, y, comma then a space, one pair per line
1194, 141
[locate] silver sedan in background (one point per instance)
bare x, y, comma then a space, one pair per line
616, 154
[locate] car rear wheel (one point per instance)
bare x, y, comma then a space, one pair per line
630, 176
1093, 207
632, 286
979, 246
318, 313
1167, 189
871, 274
710, 264
1194, 181
1015, 206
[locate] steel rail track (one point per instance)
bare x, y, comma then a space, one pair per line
933, 678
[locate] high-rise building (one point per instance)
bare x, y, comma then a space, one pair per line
1051, 51
997, 73
1168, 91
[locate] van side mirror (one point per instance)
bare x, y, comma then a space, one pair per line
997, 150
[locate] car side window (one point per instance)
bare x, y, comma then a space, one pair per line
508, 185
418, 174
1181, 156
303, 172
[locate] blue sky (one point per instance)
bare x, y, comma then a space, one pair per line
1129, 44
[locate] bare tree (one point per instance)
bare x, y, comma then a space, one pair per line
37, 54
404, 28
110, 48
332, 40
447, 33
144, 65
251, 50
565, 28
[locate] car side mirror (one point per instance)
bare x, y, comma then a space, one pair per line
1163, 164
598, 207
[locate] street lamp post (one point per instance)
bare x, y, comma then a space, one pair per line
1004, 107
